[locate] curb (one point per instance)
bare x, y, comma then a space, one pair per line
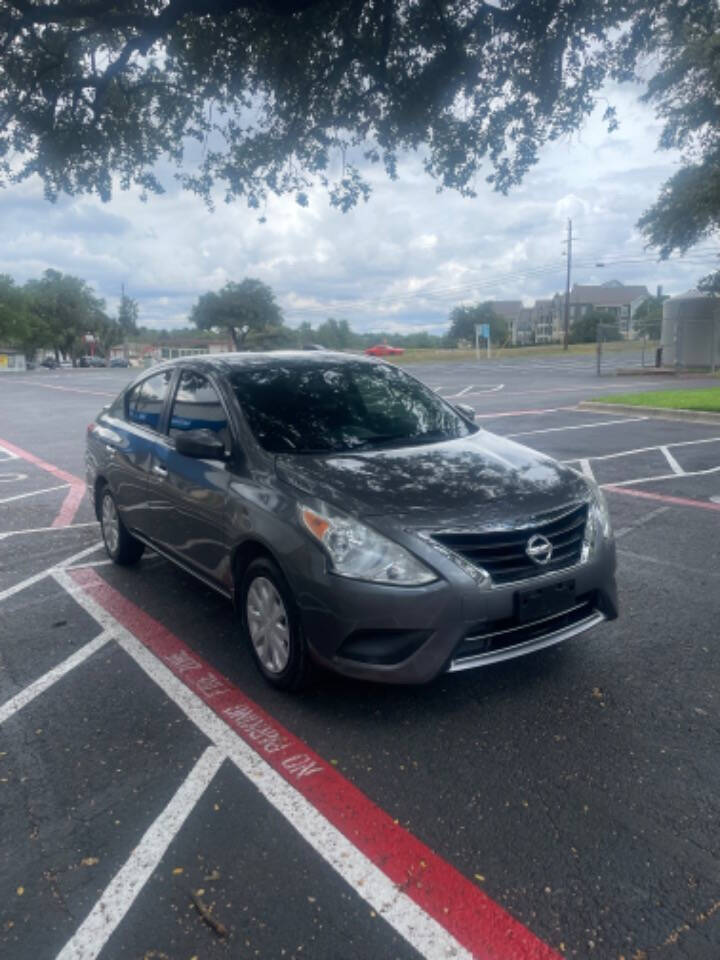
693, 416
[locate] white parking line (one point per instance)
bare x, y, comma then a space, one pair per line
34, 493
387, 899
577, 426
629, 453
586, 469
37, 577
22, 533
7, 455
12, 477
464, 391
674, 465
640, 522
127, 883
38, 686
663, 476
676, 564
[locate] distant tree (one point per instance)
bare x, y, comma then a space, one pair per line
65, 308
127, 316
463, 320
272, 338
305, 333
108, 333
238, 309
334, 334
585, 329
648, 317
13, 317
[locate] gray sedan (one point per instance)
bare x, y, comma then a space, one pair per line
355, 519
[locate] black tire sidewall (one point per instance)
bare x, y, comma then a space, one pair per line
129, 549
296, 671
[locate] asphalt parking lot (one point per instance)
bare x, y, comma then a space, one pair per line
157, 800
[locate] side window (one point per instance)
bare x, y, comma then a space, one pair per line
145, 402
197, 407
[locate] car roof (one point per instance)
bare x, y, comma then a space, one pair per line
228, 362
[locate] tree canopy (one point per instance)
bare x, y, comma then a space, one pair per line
648, 317
54, 311
686, 93
585, 328
464, 318
281, 94
247, 311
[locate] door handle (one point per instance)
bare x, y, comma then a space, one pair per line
160, 471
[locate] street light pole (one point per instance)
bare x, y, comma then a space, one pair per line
566, 325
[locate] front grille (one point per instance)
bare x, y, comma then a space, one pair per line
502, 552
504, 634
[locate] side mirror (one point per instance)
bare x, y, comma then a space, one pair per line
465, 411
201, 444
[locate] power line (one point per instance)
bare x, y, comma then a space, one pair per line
366, 303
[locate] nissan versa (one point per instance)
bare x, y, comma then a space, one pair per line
355, 518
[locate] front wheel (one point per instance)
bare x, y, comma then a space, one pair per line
272, 626
121, 546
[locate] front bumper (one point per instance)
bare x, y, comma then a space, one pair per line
411, 635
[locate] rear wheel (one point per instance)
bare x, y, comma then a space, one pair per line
121, 546
271, 625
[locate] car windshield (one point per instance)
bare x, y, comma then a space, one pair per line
334, 408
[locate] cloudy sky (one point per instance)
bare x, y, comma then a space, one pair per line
401, 261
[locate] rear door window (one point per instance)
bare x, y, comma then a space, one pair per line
146, 401
197, 406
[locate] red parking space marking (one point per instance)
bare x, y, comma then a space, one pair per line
70, 505
476, 921
72, 501
663, 498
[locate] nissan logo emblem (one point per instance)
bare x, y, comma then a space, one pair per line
539, 549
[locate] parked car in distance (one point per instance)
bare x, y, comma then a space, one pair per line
98, 361
50, 362
119, 362
313, 346
384, 350
30, 364
354, 517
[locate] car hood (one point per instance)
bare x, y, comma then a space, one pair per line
482, 479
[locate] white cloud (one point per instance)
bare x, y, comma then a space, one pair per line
402, 261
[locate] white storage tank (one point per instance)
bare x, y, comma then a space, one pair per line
691, 330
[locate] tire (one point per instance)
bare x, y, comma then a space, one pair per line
121, 546
271, 626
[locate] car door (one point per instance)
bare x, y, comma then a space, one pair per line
188, 496
131, 430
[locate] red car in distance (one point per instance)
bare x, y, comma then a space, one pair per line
384, 350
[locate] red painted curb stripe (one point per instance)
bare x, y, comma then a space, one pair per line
663, 498
474, 919
72, 501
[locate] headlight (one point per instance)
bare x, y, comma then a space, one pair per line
359, 552
598, 526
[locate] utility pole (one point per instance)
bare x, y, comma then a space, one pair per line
126, 350
566, 324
